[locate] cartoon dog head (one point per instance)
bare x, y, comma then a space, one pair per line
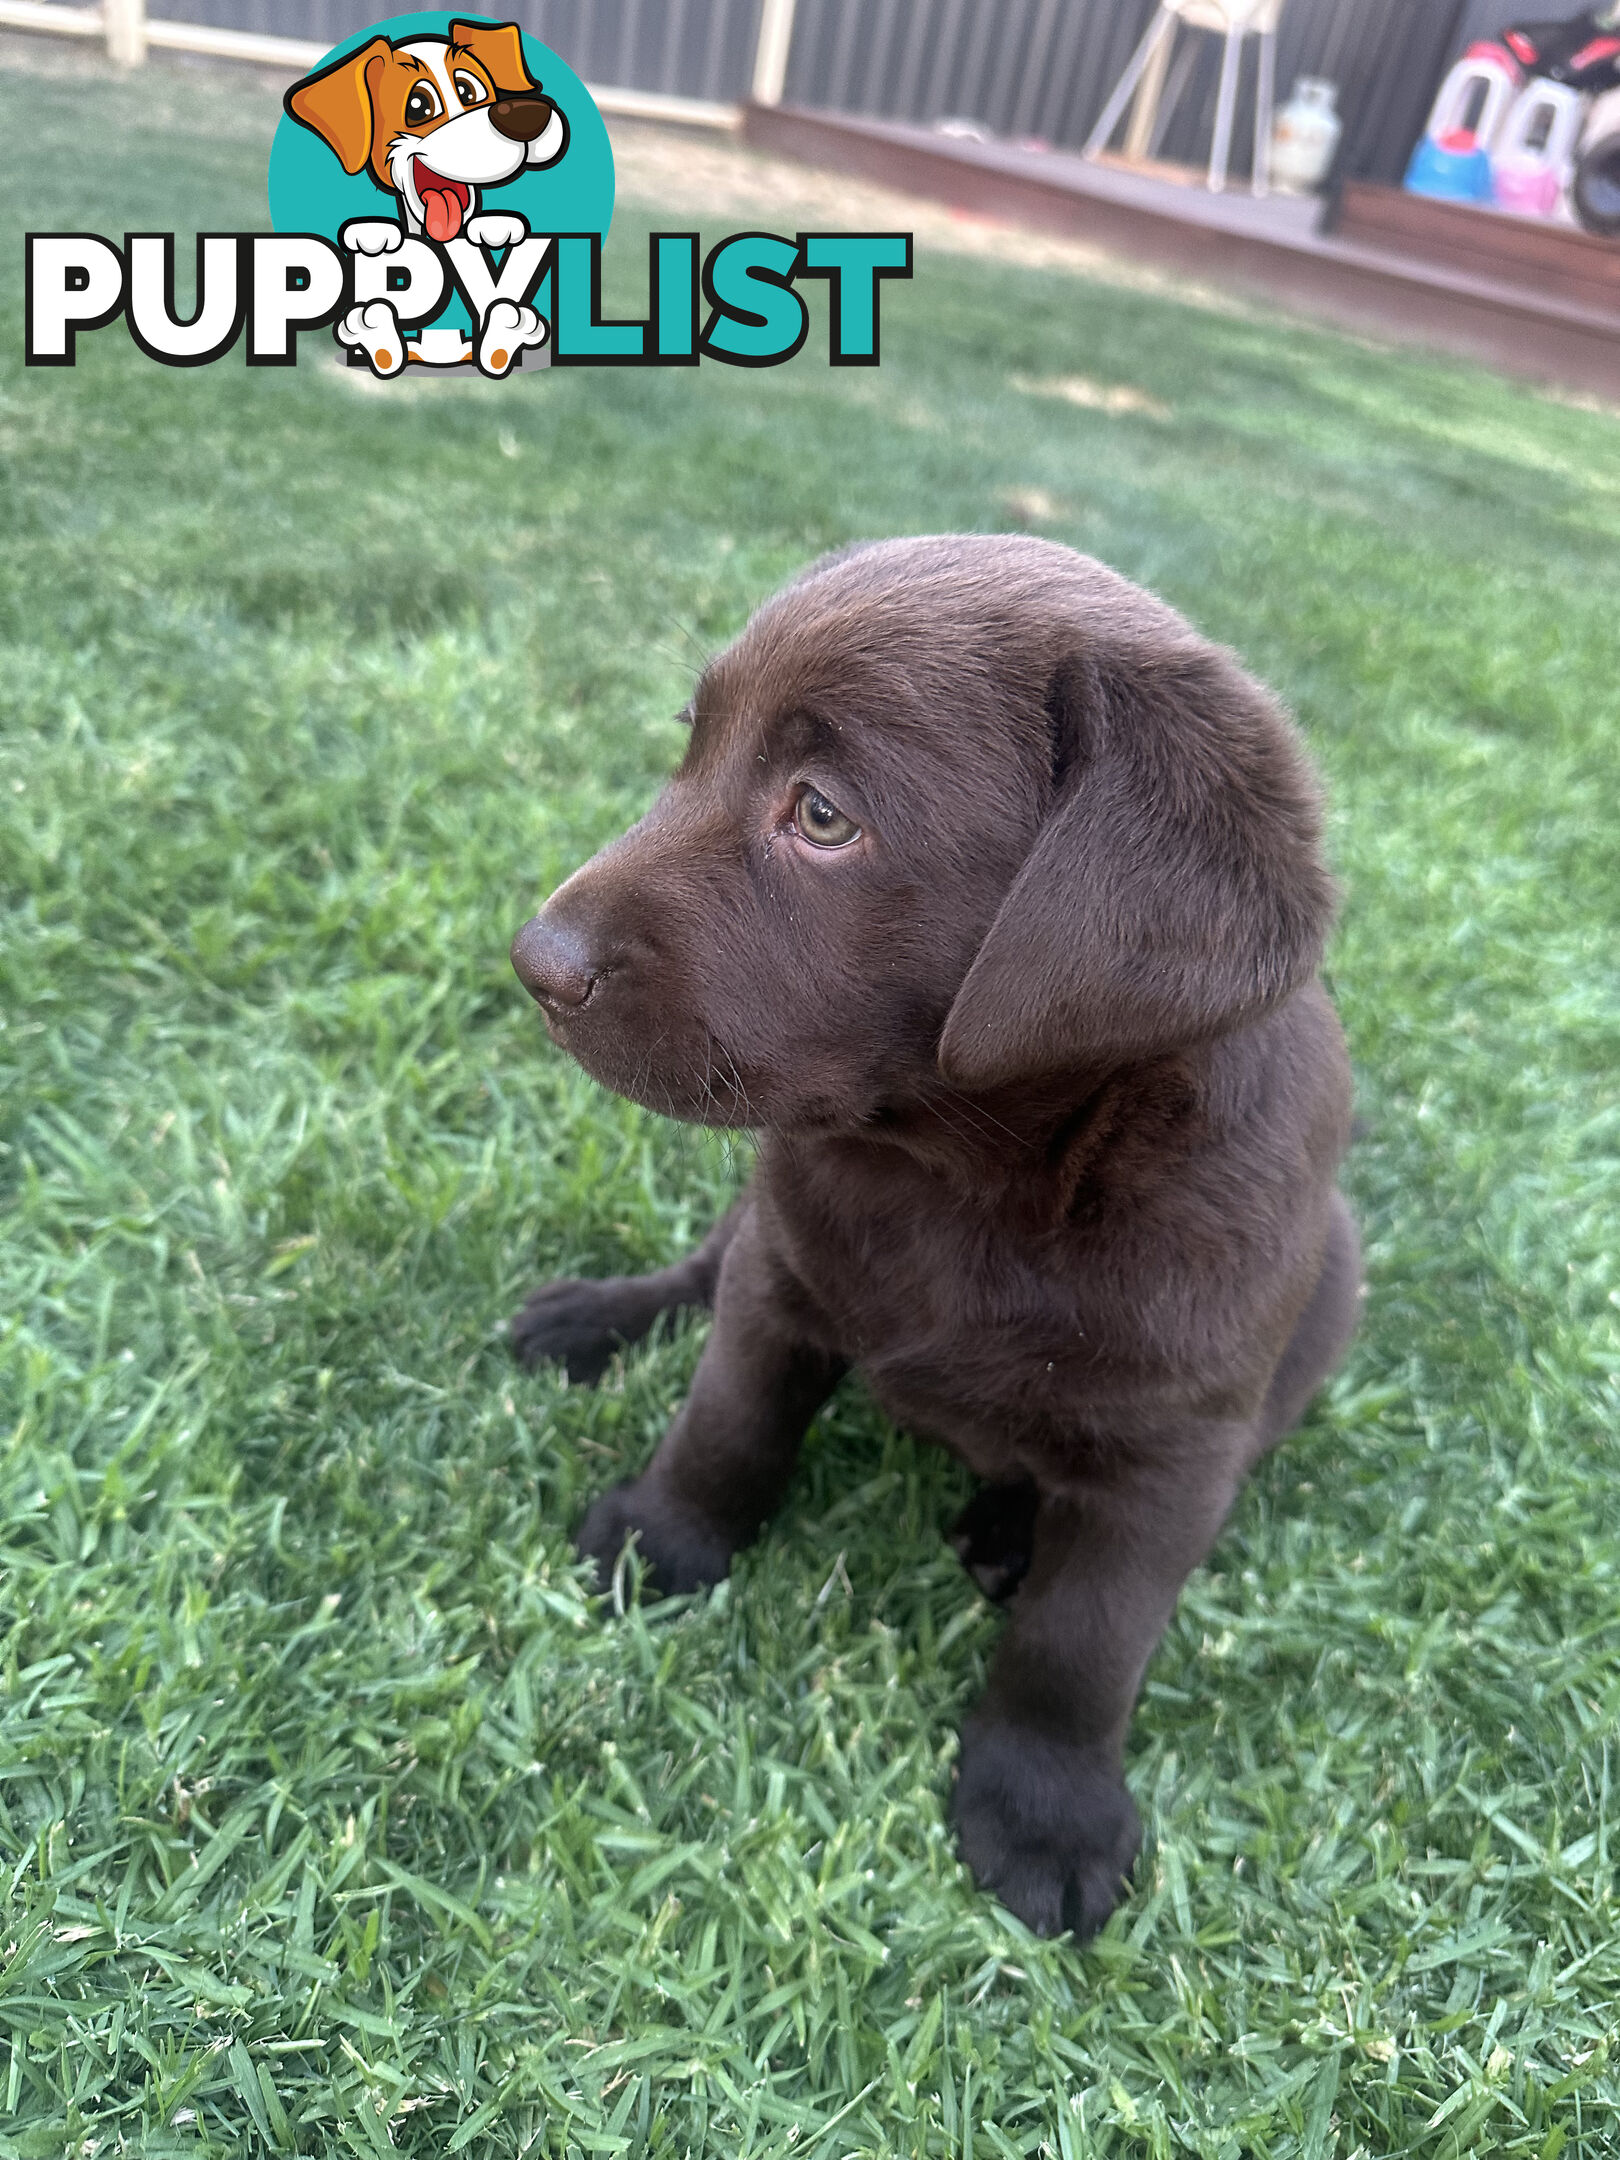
434, 118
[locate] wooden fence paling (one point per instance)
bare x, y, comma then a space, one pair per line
125, 22
47, 15
771, 49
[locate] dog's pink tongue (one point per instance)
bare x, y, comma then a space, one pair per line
442, 211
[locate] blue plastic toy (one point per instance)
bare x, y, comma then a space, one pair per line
1452, 158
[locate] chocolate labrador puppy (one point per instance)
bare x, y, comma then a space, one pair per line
992, 896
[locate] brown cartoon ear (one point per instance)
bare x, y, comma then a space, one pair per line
1176, 888
498, 49
336, 104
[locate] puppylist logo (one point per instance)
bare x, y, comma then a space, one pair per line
440, 189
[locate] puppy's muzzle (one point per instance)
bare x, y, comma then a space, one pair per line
520, 119
554, 965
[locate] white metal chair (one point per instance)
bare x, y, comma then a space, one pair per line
1234, 20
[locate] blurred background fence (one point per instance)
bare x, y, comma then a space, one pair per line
1042, 69
1023, 69
701, 49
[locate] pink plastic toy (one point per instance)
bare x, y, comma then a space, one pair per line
1533, 154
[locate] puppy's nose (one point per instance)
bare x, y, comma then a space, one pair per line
520, 119
552, 964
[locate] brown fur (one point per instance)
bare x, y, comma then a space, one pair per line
357, 105
1050, 1105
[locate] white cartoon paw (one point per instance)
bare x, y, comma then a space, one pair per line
497, 228
508, 328
370, 236
374, 328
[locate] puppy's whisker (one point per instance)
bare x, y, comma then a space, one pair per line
688, 652
960, 1128
984, 1117
958, 1121
696, 644
671, 653
734, 1080
642, 1077
708, 1097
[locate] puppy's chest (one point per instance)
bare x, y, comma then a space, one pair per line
956, 1320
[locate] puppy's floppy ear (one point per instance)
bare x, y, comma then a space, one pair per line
336, 104
1176, 887
498, 49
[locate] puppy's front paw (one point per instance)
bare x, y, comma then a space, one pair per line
374, 329
508, 330
497, 228
582, 1324
1047, 1828
371, 236
682, 1549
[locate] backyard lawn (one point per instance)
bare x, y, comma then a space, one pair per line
333, 1817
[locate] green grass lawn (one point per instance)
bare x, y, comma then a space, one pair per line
333, 1818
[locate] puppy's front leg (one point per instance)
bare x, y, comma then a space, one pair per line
725, 1461
374, 330
583, 1322
1042, 1814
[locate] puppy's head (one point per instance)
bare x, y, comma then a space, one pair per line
964, 811
434, 117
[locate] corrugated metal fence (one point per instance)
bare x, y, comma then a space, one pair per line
1023, 68
677, 48
1043, 68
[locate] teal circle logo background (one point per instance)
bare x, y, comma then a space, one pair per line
311, 193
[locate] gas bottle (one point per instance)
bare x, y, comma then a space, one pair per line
1305, 136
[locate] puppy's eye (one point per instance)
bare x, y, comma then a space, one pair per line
822, 823
470, 90
421, 105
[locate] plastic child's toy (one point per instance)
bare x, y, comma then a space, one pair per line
1551, 146
1582, 52
1532, 156
1452, 160
1594, 191
1580, 57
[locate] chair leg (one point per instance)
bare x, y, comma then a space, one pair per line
1143, 123
1175, 87
1264, 92
1125, 89
1225, 105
